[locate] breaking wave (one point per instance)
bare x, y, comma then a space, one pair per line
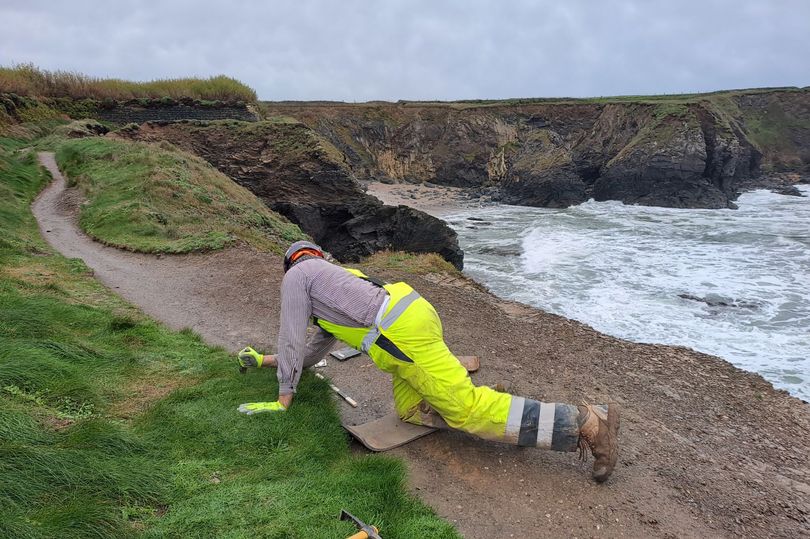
732, 283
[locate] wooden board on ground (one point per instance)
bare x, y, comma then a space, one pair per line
387, 432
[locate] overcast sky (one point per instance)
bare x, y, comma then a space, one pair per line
354, 50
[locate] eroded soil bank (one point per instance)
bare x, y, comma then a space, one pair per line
707, 450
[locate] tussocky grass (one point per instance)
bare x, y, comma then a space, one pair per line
155, 198
30, 80
416, 263
113, 426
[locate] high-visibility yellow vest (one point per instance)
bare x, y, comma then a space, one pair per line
400, 295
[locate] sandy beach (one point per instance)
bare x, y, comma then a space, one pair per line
436, 200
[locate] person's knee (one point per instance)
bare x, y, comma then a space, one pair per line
456, 414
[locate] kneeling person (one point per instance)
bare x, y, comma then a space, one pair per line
402, 334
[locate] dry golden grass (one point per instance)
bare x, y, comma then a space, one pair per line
29, 80
418, 263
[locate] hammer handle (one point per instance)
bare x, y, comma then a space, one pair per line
363, 534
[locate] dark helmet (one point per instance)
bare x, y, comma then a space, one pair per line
299, 249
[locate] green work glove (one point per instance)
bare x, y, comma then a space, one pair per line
248, 357
251, 408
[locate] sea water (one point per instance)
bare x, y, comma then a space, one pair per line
733, 283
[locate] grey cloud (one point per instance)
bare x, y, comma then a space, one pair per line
357, 50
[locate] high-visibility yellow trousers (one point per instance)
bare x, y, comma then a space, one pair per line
428, 378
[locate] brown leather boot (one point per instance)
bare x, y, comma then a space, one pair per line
599, 432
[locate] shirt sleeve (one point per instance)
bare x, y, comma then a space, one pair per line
317, 345
296, 308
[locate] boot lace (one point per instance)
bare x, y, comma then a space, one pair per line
584, 444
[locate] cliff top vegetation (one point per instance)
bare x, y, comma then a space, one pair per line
155, 198
29, 80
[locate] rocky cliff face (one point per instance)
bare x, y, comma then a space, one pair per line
679, 151
300, 175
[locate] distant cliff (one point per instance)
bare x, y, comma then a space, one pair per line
677, 151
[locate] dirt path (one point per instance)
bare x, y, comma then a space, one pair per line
200, 292
707, 450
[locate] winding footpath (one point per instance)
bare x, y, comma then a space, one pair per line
183, 291
707, 450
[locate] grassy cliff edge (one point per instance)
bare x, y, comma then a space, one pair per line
158, 199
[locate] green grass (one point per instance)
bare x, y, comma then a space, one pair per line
418, 264
157, 199
27, 135
286, 136
113, 426
770, 130
673, 110
29, 80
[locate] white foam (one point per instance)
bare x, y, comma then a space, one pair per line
622, 270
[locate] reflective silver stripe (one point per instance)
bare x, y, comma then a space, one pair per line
369, 339
374, 332
545, 428
398, 309
388, 320
513, 420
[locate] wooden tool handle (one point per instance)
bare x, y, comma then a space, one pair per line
363, 535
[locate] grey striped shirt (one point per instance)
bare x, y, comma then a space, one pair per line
321, 289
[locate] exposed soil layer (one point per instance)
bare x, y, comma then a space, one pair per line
707, 449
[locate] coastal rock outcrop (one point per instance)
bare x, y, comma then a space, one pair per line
302, 176
663, 167
696, 150
354, 231
692, 151
550, 188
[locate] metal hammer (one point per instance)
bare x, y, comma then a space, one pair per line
366, 531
